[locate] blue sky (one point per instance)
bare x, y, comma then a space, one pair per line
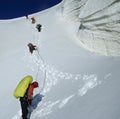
18, 8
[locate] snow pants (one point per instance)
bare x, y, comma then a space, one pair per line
24, 107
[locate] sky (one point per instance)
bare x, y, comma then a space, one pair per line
17, 8
78, 83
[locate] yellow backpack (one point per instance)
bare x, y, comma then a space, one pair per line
22, 86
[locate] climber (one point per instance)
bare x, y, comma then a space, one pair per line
32, 47
38, 26
26, 16
27, 99
33, 20
24, 91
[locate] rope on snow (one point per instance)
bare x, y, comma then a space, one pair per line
37, 74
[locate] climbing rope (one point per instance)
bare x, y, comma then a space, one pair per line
39, 57
37, 74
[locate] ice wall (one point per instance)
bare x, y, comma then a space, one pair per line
99, 29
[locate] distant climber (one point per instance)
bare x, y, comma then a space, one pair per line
26, 16
32, 47
39, 26
33, 20
24, 91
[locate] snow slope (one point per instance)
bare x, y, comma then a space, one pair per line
99, 24
78, 83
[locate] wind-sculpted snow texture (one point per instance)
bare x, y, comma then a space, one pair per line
99, 29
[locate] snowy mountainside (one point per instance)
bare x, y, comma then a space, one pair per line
99, 24
78, 83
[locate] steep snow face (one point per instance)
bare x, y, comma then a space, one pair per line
99, 29
71, 9
78, 84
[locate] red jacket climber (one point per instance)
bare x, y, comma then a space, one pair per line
31, 88
32, 47
27, 99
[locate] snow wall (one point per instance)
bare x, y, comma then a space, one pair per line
99, 24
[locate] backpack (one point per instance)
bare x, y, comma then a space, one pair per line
22, 87
38, 26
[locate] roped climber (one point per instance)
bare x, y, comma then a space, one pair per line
32, 47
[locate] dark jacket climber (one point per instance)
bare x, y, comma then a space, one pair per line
26, 16
26, 99
39, 26
32, 47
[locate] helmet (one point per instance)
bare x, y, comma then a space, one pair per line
35, 84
